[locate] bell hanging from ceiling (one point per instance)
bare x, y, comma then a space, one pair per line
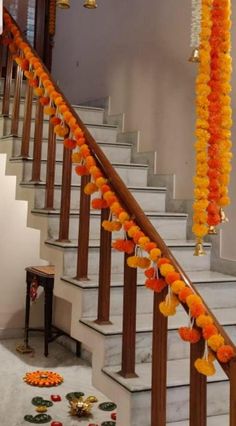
90, 4
194, 56
63, 4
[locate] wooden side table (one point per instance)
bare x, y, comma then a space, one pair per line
40, 276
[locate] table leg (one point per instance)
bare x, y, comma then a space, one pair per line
27, 311
48, 296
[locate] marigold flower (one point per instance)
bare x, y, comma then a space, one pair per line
205, 367
111, 225
149, 246
172, 276
155, 284
215, 342
99, 203
208, 331
69, 143
81, 170
126, 246
90, 188
155, 254
177, 286
225, 353
204, 320
166, 268
184, 293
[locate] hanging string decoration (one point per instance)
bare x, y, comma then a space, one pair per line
214, 120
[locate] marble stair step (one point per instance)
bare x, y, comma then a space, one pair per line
89, 115
115, 152
211, 421
181, 249
218, 290
177, 392
111, 335
149, 198
168, 225
131, 174
100, 132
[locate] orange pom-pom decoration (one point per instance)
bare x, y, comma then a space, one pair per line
197, 309
33, 82
132, 230
90, 188
127, 225
84, 149
215, 342
69, 143
29, 75
177, 286
38, 91
95, 172
132, 261
58, 101
126, 246
144, 262
183, 294
209, 330
204, 320
111, 225
76, 157
137, 236
49, 110
155, 284
172, 276
55, 120
143, 241
150, 272
162, 261
225, 353
25, 64
44, 100
189, 334
123, 216
166, 268
99, 203
155, 253
105, 188
81, 170
149, 246
101, 181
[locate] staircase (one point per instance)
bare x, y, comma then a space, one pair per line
80, 301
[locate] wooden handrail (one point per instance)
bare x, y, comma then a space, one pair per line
160, 328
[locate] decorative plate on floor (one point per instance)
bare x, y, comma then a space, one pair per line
38, 419
109, 423
43, 378
107, 406
39, 401
74, 395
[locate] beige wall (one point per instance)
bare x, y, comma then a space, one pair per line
136, 51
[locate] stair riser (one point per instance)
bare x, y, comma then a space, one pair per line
87, 116
145, 299
12, 87
130, 175
177, 348
114, 153
150, 201
100, 134
178, 403
184, 255
168, 228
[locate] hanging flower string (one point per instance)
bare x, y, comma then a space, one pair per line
214, 119
159, 270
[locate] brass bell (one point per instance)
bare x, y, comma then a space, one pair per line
90, 4
194, 58
223, 217
63, 4
199, 250
212, 230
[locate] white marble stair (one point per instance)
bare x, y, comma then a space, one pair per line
89, 115
177, 391
211, 421
116, 152
150, 198
169, 225
132, 174
101, 132
181, 249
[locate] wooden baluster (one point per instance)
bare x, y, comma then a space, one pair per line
83, 239
1, 57
159, 363
38, 132
16, 101
51, 166
65, 196
27, 122
198, 388
232, 378
7, 85
129, 321
103, 316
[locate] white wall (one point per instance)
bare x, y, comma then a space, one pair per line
19, 248
136, 51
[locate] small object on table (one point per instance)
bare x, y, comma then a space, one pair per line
56, 398
43, 378
38, 419
113, 416
39, 401
107, 406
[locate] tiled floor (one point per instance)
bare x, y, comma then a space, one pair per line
16, 396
